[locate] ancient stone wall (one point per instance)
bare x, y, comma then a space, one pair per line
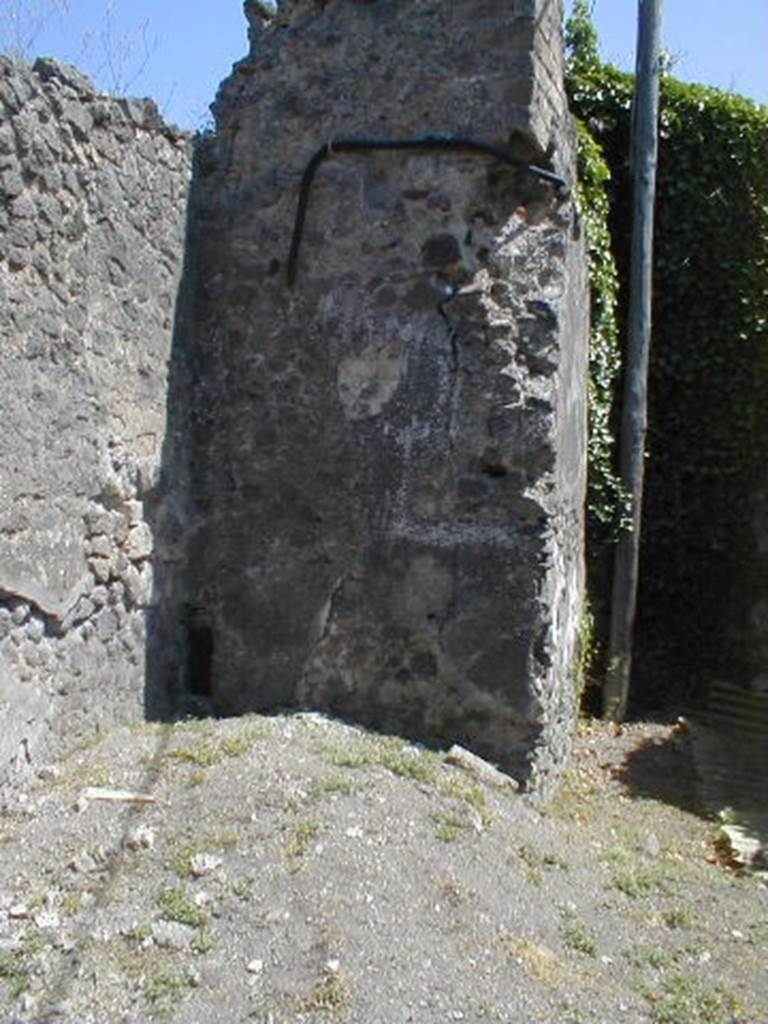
92, 221
390, 455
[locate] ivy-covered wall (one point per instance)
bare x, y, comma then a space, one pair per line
703, 602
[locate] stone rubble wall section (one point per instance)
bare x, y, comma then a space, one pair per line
391, 454
93, 196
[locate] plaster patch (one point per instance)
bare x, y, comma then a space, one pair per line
366, 382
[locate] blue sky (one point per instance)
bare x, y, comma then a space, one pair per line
177, 51
718, 43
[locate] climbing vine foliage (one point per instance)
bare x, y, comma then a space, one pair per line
701, 568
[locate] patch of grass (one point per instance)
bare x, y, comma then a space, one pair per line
537, 960
243, 888
659, 958
165, 988
139, 932
617, 856
136, 962
35, 900
637, 882
410, 763
225, 839
680, 917
86, 743
329, 784
361, 752
33, 942
472, 795
355, 758
202, 754
454, 892
535, 861
579, 936
176, 905
202, 942
84, 775
195, 778
390, 753
681, 997
573, 799
234, 746
201, 726
15, 972
97, 776
15, 966
450, 827
332, 994
300, 835
71, 904
180, 861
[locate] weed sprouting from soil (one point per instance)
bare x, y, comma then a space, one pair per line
176, 905
681, 997
332, 994
537, 960
300, 835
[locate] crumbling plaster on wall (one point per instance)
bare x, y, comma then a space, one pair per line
92, 220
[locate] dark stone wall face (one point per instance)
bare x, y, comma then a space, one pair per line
388, 459
92, 220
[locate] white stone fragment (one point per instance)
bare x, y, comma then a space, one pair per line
117, 795
204, 864
47, 919
139, 543
650, 847
173, 935
140, 838
135, 512
469, 762
83, 863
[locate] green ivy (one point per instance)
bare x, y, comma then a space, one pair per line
607, 503
701, 574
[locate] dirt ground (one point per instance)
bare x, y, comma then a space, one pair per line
297, 869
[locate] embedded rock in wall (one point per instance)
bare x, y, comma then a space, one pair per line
92, 219
390, 455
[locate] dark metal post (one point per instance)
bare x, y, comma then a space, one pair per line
634, 410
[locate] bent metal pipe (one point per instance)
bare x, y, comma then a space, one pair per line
424, 143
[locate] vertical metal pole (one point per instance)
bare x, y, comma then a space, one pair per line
634, 409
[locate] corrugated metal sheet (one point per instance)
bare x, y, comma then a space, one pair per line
730, 745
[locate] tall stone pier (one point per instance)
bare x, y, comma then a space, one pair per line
389, 453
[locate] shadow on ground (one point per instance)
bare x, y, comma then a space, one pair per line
663, 768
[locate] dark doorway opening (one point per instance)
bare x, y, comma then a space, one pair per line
198, 677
